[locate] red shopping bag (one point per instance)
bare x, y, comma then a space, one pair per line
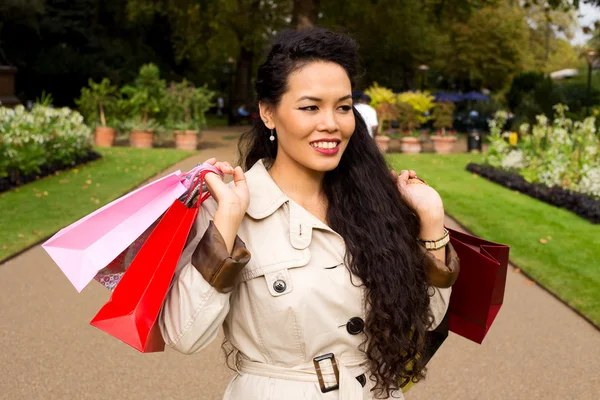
478, 292
131, 313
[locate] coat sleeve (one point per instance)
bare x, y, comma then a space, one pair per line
198, 299
442, 276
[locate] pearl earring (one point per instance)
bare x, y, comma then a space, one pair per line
272, 137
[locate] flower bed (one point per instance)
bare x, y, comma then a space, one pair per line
558, 153
583, 205
40, 142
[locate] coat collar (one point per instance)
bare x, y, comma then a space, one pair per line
265, 196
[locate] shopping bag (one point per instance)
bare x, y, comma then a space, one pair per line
90, 244
478, 293
131, 313
110, 275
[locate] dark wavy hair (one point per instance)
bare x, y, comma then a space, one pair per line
365, 208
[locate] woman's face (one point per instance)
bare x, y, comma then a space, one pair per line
314, 120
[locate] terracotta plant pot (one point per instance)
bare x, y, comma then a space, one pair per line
104, 136
383, 143
186, 140
410, 145
141, 139
443, 144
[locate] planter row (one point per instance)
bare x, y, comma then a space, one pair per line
583, 205
143, 139
412, 145
15, 178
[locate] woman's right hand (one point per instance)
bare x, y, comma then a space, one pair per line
232, 201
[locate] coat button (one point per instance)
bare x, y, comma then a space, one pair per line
355, 325
279, 286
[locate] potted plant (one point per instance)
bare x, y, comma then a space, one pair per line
385, 113
142, 102
410, 138
186, 109
410, 141
95, 101
443, 140
383, 100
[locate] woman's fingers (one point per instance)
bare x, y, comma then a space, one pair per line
239, 178
210, 161
216, 186
225, 167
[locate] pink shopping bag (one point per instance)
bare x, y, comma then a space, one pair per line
90, 244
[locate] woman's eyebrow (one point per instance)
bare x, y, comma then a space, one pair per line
312, 98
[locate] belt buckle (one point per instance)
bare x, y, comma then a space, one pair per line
316, 361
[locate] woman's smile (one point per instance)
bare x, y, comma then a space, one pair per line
328, 147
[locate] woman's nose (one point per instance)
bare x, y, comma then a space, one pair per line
328, 122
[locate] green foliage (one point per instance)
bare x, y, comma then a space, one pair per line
487, 49
532, 94
443, 115
45, 99
187, 105
469, 43
421, 102
96, 100
43, 136
380, 95
563, 153
407, 117
144, 98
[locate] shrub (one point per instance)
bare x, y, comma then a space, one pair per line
443, 115
96, 101
143, 99
408, 119
421, 102
31, 140
187, 105
380, 95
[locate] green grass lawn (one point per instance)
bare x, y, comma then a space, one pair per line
568, 264
39, 209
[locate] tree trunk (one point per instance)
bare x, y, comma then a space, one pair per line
305, 13
242, 86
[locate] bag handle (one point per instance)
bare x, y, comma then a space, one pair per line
198, 181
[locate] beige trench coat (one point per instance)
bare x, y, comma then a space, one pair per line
292, 303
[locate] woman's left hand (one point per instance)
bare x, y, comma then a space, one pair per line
422, 198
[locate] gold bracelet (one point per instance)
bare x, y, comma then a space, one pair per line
433, 245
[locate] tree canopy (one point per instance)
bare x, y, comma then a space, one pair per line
467, 44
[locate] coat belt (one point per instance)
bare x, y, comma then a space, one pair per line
349, 368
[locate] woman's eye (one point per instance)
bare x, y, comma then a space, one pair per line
346, 108
309, 108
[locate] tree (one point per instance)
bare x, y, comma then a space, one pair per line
546, 24
212, 32
485, 51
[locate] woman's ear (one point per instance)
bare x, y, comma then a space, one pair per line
266, 114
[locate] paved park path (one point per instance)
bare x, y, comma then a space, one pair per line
537, 348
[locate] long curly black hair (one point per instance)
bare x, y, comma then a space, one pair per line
366, 209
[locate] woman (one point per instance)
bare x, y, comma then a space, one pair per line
311, 260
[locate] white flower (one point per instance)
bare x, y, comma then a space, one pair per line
514, 160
